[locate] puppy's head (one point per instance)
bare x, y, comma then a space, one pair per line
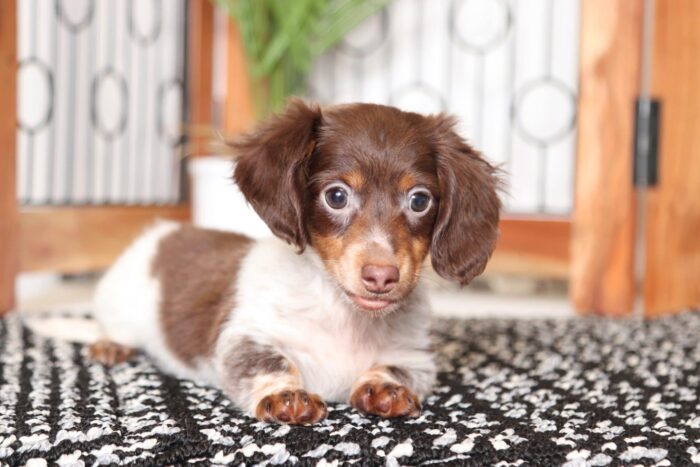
373, 190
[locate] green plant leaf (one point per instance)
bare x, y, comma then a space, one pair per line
282, 38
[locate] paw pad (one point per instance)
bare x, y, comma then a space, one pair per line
387, 400
293, 407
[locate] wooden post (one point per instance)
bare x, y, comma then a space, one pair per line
239, 113
8, 157
672, 272
199, 72
603, 236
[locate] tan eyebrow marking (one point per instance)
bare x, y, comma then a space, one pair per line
354, 179
407, 182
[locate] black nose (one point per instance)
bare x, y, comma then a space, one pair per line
379, 279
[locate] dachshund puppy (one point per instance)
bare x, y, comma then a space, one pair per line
332, 309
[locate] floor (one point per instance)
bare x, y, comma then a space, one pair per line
570, 392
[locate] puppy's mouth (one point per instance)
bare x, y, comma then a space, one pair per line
370, 303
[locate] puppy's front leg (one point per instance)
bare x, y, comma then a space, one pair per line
258, 378
384, 391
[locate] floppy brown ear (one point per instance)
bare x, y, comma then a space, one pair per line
270, 169
466, 227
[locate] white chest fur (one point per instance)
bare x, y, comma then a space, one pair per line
287, 300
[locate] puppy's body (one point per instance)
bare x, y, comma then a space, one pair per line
361, 194
276, 298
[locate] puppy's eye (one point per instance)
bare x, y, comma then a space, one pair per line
336, 197
419, 201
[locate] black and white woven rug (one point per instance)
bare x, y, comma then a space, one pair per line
576, 392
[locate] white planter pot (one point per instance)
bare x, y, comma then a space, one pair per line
217, 203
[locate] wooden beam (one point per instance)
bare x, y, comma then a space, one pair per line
239, 110
78, 239
200, 53
533, 246
602, 270
8, 156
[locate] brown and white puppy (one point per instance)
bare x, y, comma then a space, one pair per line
360, 194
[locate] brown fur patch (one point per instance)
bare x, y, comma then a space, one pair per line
197, 270
466, 228
419, 250
354, 179
250, 358
407, 182
329, 247
270, 169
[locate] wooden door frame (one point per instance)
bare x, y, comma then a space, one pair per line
9, 211
82, 238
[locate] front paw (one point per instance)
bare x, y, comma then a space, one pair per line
294, 407
387, 400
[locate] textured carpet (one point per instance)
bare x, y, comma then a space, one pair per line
579, 392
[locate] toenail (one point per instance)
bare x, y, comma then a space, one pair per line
287, 397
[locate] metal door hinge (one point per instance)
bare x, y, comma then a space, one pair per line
647, 114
